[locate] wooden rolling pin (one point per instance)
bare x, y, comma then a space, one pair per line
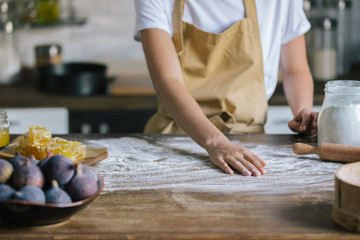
330, 152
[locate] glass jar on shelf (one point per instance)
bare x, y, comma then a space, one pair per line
344, 38
48, 54
10, 63
341, 11
323, 57
7, 11
48, 11
27, 12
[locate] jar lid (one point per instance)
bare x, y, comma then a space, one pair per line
343, 86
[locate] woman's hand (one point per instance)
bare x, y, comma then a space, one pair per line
229, 157
304, 122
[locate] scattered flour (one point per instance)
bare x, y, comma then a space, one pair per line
179, 164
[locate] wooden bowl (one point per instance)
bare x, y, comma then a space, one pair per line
35, 214
346, 208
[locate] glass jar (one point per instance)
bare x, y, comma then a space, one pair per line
324, 53
341, 11
27, 12
7, 11
344, 38
48, 11
339, 118
48, 54
4, 129
10, 62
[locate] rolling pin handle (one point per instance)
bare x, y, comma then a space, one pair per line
302, 149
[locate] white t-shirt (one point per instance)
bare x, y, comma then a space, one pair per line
280, 21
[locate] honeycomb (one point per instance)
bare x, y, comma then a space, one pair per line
39, 139
39, 135
73, 150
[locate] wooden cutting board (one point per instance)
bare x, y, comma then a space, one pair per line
93, 155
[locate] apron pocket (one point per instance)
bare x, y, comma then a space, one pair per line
224, 121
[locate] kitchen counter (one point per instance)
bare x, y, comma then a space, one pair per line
164, 187
129, 91
26, 94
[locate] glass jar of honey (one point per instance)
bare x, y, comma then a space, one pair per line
4, 129
48, 11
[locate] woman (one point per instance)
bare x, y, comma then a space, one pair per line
205, 58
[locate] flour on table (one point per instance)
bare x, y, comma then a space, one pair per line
179, 164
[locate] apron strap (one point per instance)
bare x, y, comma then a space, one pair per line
250, 9
177, 17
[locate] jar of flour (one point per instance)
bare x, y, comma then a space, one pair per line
339, 118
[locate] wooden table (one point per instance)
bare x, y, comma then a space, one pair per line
132, 207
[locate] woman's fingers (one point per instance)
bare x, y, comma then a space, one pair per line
294, 125
224, 166
254, 171
241, 168
257, 158
245, 164
310, 121
304, 120
245, 167
230, 157
256, 161
314, 116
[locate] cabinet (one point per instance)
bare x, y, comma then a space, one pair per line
56, 120
111, 121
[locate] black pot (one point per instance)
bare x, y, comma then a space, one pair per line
74, 78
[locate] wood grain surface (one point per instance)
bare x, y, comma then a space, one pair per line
166, 215
172, 214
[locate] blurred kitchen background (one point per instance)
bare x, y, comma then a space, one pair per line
101, 32
87, 30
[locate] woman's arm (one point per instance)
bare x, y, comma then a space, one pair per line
166, 74
298, 86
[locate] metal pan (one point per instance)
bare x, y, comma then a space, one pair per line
74, 78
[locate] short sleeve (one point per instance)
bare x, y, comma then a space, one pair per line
152, 14
295, 22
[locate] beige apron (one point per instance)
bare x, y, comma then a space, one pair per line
223, 72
